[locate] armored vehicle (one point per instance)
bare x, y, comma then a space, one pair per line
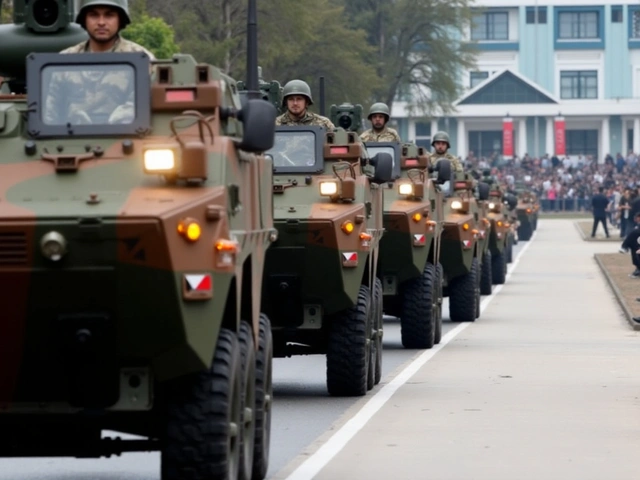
484, 236
131, 252
527, 215
461, 252
321, 287
409, 261
499, 239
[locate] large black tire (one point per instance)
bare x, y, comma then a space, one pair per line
510, 251
525, 232
378, 330
417, 320
348, 352
439, 289
486, 280
248, 430
264, 398
499, 268
204, 416
464, 292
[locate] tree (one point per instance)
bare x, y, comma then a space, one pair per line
154, 34
420, 47
151, 32
6, 11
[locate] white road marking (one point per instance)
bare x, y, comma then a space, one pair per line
317, 461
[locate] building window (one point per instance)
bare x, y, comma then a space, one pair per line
616, 14
582, 142
423, 134
635, 24
531, 15
476, 77
578, 25
579, 84
490, 26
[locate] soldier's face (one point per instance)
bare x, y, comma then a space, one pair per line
102, 23
378, 120
441, 147
296, 104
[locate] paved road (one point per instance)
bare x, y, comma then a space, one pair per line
303, 411
546, 386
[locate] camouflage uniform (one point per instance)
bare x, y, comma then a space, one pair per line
456, 165
386, 135
307, 119
121, 45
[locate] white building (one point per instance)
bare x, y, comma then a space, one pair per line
559, 71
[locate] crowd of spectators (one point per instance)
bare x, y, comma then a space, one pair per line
569, 183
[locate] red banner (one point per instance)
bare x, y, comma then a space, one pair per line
507, 137
560, 137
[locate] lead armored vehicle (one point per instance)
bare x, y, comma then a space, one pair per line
461, 252
409, 261
131, 250
321, 287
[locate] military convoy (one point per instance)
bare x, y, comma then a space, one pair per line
233, 241
131, 258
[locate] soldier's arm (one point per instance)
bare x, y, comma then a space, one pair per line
329, 124
396, 136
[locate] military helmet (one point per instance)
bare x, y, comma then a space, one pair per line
121, 5
296, 87
379, 107
441, 137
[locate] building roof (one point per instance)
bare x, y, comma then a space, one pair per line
506, 87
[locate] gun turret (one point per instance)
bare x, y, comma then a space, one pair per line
38, 26
269, 91
347, 116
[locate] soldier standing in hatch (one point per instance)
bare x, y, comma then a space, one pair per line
379, 132
296, 97
101, 97
103, 20
441, 144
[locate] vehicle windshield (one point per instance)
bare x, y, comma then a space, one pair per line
293, 149
88, 94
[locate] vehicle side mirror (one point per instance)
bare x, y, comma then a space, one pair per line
443, 167
258, 118
483, 191
383, 164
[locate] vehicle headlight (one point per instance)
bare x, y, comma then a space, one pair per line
492, 205
328, 188
456, 204
160, 160
405, 189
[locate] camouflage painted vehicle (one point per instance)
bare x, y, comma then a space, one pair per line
484, 237
511, 221
527, 215
500, 237
131, 259
269, 91
409, 261
461, 252
321, 287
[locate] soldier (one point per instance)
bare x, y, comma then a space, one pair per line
379, 132
296, 97
441, 144
103, 20
99, 96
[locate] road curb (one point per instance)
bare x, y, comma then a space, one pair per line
616, 291
577, 227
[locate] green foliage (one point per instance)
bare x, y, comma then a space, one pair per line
6, 11
367, 50
152, 33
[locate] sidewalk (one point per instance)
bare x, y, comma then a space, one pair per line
544, 386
